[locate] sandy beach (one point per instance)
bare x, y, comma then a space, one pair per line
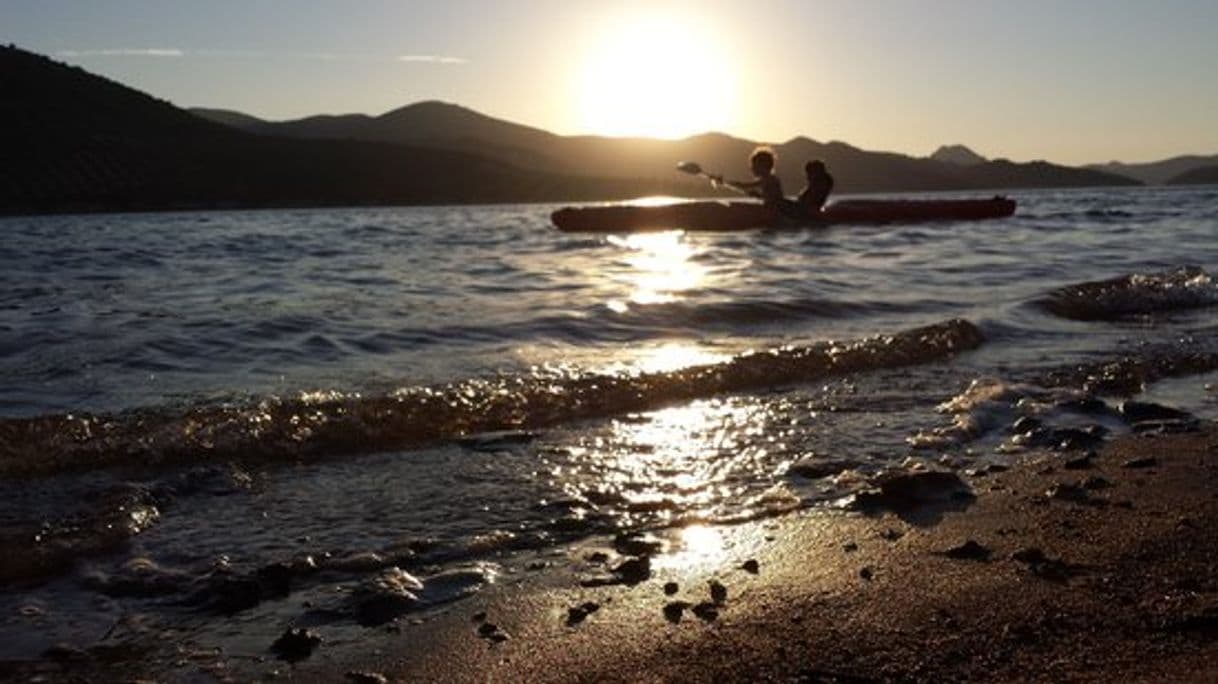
1061, 569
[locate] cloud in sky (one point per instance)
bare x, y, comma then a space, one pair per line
124, 52
255, 54
432, 59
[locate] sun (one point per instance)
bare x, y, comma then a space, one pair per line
656, 76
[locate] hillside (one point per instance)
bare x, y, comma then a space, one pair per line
78, 142
958, 155
449, 126
1159, 172
1205, 175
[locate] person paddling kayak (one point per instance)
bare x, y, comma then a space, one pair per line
765, 185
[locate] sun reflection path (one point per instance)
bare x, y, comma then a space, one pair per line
661, 268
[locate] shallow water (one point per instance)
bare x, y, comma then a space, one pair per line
442, 386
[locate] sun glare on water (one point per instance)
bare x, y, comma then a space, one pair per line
656, 76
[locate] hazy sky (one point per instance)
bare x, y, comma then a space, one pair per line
1072, 81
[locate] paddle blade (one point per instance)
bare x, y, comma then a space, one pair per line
690, 167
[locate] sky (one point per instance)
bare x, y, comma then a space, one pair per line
1071, 81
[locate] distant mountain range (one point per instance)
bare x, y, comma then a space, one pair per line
1165, 172
79, 142
1205, 175
448, 126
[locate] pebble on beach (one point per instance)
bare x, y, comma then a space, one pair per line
296, 644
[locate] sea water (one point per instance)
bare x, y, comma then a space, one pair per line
438, 388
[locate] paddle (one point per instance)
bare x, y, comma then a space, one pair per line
695, 169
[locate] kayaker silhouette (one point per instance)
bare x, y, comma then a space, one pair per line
820, 184
765, 185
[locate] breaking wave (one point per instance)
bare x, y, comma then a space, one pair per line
1133, 295
329, 424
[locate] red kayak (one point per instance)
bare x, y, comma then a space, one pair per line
628, 218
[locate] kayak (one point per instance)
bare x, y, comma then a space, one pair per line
721, 216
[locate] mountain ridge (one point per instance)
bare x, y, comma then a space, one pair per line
81, 142
856, 170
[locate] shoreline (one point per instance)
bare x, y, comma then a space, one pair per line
1062, 567
1099, 573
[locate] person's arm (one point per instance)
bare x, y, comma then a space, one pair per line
750, 187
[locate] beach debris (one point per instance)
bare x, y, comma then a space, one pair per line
969, 550
905, 491
296, 644
850, 547
751, 566
718, 592
671, 588
579, 613
1144, 462
386, 597
706, 611
866, 573
362, 677
491, 632
639, 544
674, 610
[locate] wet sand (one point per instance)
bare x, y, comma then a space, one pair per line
1101, 569
1105, 571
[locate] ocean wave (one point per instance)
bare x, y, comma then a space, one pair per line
324, 424
1133, 295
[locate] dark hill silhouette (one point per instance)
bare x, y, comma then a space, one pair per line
957, 154
1158, 172
1205, 175
448, 126
74, 141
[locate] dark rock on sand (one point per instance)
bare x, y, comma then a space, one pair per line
360, 677
907, 491
814, 469
1041, 565
491, 632
296, 644
638, 544
718, 592
1145, 462
866, 573
579, 613
1141, 412
751, 566
634, 570
706, 611
230, 594
671, 588
969, 550
674, 610
1083, 462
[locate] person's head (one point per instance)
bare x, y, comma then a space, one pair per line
762, 161
814, 168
